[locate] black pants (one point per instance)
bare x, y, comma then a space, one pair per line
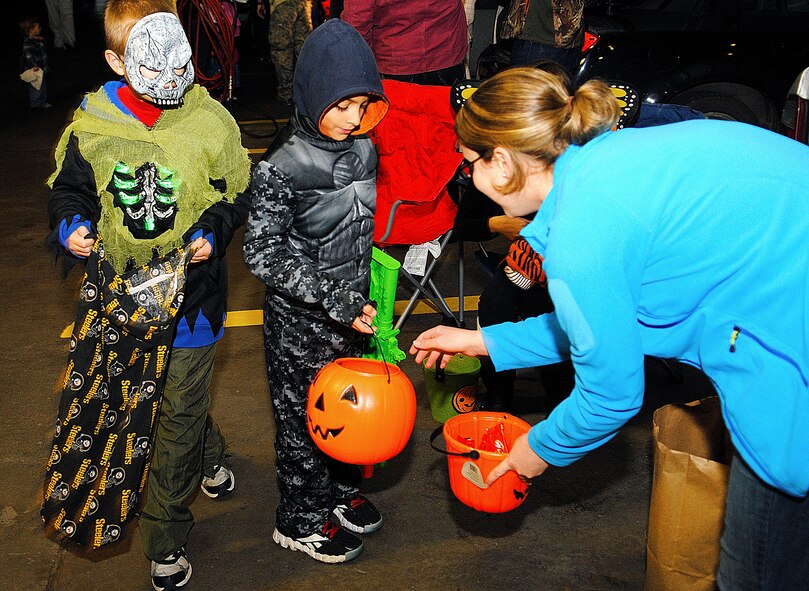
443, 77
502, 301
299, 341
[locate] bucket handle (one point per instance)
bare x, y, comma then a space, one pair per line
474, 454
440, 373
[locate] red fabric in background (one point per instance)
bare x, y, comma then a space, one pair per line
417, 158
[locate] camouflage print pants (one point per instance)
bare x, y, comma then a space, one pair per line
290, 23
299, 341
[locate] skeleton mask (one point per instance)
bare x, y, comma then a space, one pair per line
158, 59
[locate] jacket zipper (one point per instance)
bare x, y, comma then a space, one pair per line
733, 336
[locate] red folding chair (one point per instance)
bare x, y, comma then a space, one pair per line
417, 159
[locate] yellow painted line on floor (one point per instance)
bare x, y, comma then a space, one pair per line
237, 318
244, 318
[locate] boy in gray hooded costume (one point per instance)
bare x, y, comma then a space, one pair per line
309, 239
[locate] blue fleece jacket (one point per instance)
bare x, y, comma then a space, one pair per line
687, 241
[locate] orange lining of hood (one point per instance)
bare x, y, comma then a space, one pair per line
374, 113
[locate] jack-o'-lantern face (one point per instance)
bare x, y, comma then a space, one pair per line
348, 397
464, 399
361, 411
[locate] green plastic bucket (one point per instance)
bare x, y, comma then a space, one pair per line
452, 391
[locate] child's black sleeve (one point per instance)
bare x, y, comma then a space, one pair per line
73, 191
223, 219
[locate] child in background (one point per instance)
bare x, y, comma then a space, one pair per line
290, 23
34, 63
149, 164
309, 239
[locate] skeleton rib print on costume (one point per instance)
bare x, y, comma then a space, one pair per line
147, 197
158, 59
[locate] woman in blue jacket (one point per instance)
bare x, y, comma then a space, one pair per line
686, 241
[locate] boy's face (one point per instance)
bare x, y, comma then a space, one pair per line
344, 118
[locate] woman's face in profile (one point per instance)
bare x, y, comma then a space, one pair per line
488, 176
482, 173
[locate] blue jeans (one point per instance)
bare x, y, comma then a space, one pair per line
37, 98
524, 53
765, 543
651, 114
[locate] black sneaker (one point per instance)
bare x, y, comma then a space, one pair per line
358, 515
222, 483
172, 572
331, 544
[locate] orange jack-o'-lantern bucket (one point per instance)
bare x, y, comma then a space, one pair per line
361, 411
477, 442
453, 389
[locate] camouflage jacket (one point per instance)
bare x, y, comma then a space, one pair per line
310, 230
552, 22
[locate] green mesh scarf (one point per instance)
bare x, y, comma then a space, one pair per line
198, 142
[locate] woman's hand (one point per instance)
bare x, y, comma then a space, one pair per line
508, 227
362, 323
203, 250
446, 339
78, 244
522, 459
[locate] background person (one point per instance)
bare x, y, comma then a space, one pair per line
681, 241
545, 29
34, 63
418, 41
290, 24
61, 23
480, 219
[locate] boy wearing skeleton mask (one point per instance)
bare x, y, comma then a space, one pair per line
137, 167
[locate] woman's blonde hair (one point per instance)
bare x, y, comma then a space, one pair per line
532, 112
121, 15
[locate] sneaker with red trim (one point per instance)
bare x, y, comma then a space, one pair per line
358, 515
331, 544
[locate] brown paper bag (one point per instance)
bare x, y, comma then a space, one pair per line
692, 464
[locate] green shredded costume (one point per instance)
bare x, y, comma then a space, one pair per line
107, 136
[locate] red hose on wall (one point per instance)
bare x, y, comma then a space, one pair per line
210, 32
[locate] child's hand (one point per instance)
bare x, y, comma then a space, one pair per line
78, 244
204, 250
362, 323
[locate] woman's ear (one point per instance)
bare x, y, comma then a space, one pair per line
115, 62
502, 159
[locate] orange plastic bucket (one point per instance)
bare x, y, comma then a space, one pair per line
469, 466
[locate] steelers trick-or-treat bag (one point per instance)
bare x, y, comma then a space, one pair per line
111, 392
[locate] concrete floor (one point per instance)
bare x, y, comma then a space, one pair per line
582, 527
